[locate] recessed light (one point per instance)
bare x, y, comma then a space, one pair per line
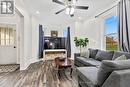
79, 17
37, 12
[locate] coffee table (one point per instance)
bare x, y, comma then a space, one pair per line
63, 63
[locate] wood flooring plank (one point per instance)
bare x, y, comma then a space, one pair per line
39, 74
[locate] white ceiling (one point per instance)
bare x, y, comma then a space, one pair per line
47, 9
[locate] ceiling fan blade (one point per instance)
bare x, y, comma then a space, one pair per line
82, 7
60, 11
58, 2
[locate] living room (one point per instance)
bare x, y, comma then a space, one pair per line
39, 43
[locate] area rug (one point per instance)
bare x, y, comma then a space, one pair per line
9, 67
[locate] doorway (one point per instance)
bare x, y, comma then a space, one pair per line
8, 51
11, 38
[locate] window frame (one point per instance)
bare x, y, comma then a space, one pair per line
105, 35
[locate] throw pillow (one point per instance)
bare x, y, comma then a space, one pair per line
104, 55
108, 66
85, 54
123, 57
92, 53
117, 54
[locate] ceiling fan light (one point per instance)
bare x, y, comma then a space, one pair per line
74, 1
71, 11
67, 11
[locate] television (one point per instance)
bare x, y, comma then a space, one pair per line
54, 42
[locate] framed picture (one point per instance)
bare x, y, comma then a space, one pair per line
54, 33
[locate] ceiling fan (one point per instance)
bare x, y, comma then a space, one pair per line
70, 6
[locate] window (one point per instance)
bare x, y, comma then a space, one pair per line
65, 33
111, 33
7, 35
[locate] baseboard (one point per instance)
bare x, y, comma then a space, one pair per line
33, 60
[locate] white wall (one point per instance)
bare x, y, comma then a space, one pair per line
35, 38
26, 36
49, 28
93, 32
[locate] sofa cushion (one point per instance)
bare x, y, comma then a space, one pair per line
108, 66
81, 59
104, 55
88, 61
92, 52
123, 57
88, 75
117, 54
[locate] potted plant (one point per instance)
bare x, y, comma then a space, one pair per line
81, 42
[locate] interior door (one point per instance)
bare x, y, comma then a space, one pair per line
8, 51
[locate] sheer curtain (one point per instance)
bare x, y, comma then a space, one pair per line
124, 25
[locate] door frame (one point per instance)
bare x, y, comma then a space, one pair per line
17, 46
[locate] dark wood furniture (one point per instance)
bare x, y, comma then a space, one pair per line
63, 63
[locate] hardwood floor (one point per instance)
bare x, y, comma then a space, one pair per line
38, 75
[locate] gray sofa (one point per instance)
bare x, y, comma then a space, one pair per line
100, 71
